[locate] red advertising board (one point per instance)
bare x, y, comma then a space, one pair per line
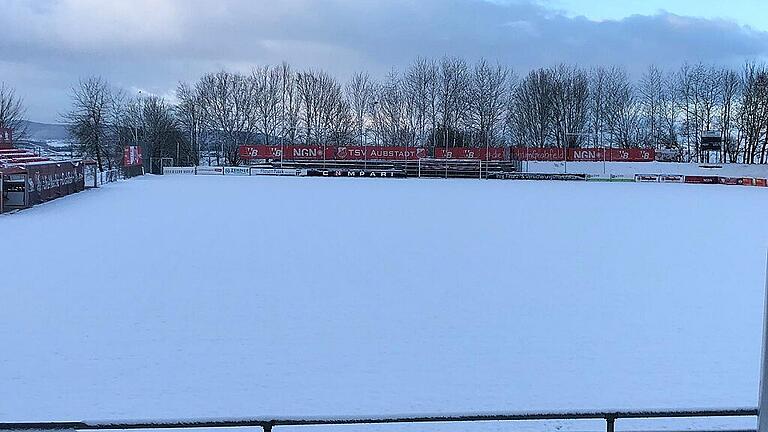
307, 152
702, 179
380, 153
584, 154
6, 138
47, 181
538, 154
132, 156
492, 153
632, 155
588, 155
258, 152
247, 152
292, 152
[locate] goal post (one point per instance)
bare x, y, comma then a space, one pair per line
450, 168
156, 164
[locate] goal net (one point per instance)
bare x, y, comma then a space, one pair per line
451, 168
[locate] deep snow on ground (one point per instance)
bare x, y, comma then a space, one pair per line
632, 168
167, 297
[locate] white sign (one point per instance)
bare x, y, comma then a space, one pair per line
237, 171
179, 170
621, 178
647, 178
672, 178
274, 172
207, 170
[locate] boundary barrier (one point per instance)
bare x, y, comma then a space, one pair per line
267, 424
391, 172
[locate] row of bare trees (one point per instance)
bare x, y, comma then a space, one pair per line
447, 101
567, 106
103, 120
272, 104
432, 102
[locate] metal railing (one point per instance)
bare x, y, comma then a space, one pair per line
266, 424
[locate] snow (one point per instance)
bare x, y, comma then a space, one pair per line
185, 297
632, 168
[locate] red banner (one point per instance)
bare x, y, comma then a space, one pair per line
632, 155
492, 153
380, 153
584, 154
258, 152
292, 152
538, 154
307, 152
132, 156
53, 180
315, 152
702, 179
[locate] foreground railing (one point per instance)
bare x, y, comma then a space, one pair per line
267, 424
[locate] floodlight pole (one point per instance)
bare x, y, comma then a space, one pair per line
762, 410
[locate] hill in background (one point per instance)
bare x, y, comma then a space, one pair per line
43, 132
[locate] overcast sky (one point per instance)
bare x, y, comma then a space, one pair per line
46, 45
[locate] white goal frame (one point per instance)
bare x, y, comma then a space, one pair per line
454, 163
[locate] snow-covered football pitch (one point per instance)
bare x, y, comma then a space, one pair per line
178, 297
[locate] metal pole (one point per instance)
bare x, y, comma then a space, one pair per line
565, 157
610, 424
282, 126
527, 162
762, 410
487, 154
365, 150
604, 171
196, 139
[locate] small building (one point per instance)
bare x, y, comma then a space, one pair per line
27, 179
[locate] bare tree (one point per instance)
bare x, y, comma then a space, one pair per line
597, 115
570, 92
453, 79
729, 95
268, 91
669, 112
162, 136
359, 94
91, 121
488, 100
532, 109
325, 114
290, 104
389, 111
228, 106
753, 112
651, 90
623, 112
189, 114
12, 111
421, 90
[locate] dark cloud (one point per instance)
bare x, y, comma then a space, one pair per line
151, 44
